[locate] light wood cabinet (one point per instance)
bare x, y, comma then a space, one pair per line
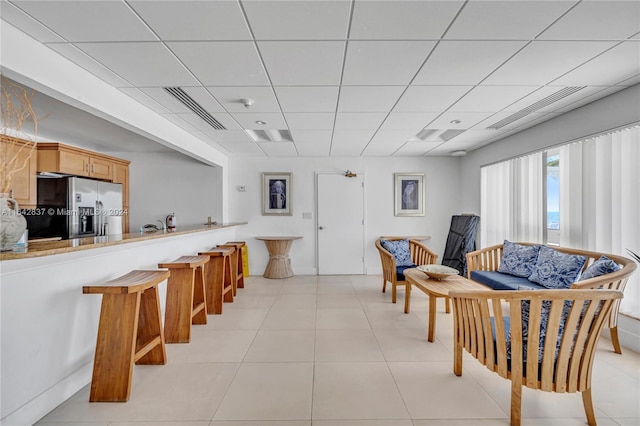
121, 175
23, 183
60, 158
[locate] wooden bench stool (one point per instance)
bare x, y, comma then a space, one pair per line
186, 302
218, 278
239, 246
130, 331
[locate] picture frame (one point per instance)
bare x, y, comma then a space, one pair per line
409, 194
277, 194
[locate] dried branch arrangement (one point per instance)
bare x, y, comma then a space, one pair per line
16, 113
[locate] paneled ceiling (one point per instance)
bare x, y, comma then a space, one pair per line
345, 77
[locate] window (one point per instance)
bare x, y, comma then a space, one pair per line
553, 197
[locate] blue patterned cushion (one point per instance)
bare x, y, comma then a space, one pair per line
400, 251
602, 266
554, 269
517, 259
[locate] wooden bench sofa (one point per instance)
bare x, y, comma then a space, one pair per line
489, 258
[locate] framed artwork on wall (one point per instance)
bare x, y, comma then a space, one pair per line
409, 194
276, 194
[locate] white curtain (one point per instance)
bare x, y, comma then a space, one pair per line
511, 201
600, 199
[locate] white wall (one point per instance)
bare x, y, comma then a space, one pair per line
164, 182
442, 182
610, 112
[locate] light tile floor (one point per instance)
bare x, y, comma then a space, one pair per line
334, 351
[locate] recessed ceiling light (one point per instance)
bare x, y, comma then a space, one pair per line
455, 122
260, 122
458, 153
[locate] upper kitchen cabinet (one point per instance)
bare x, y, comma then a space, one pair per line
60, 158
23, 182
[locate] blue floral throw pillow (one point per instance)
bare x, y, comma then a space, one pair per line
400, 251
602, 266
518, 260
554, 269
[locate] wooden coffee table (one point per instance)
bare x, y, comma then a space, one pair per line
434, 289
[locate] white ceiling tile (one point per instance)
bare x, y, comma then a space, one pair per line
313, 149
165, 99
413, 121
311, 63
491, 98
245, 149
279, 149
264, 100
26, 23
310, 121
379, 149
392, 137
229, 136
307, 98
506, 20
311, 136
226, 120
195, 121
618, 64
224, 63
384, 62
204, 99
350, 150
543, 61
369, 98
359, 137
144, 99
465, 62
597, 20
306, 20
430, 98
359, 120
179, 120
159, 67
467, 120
247, 120
85, 61
415, 148
89, 20
194, 20
404, 20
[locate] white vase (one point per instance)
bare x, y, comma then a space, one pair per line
12, 223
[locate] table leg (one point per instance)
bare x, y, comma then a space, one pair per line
432, 317
407, 296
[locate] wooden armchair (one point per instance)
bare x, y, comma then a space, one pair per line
420, 255
562, 363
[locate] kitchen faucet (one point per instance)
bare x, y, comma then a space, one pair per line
164, 225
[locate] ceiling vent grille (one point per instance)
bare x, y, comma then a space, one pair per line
555, 97
197, 109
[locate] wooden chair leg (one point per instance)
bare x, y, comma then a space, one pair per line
516, 403
384, 285
447, 305
457, 358
588, 407
393, 292
614, 339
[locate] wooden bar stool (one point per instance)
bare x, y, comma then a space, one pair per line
239, 246
186, 302
218, 283
130, 331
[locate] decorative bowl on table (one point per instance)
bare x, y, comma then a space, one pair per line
438, 272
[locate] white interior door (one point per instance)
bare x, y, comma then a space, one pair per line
340, 223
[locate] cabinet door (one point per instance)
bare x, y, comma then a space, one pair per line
23, 182
100, 169
74, 163
121, 175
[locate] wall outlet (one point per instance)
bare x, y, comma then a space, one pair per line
307, 215
242, 188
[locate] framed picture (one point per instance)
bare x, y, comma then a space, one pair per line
409, 194
276, 194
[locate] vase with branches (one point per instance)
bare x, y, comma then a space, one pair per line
16, 149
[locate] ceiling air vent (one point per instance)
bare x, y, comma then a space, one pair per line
197, 109
555, 97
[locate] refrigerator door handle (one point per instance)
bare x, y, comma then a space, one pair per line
98, 216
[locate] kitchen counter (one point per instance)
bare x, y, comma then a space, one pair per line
48, 248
